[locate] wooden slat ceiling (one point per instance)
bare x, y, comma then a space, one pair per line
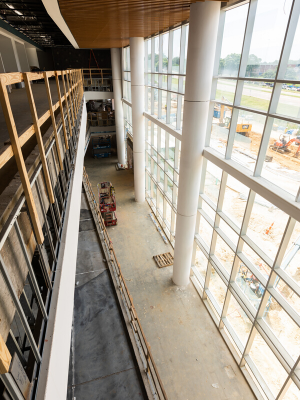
110, 23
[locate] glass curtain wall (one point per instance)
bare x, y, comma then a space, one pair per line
165, 68
127, 110
246, 257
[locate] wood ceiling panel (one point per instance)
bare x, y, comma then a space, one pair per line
110, 23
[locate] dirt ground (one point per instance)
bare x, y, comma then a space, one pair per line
286, 160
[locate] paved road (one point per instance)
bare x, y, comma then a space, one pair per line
262, 93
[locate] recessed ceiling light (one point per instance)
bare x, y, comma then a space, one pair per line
18, 12
10, 6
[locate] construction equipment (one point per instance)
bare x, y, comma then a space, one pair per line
107, 203
242, 129
282, 146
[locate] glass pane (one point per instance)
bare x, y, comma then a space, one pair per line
164, 105
160, 203
186, 47
168, 212
234, 28
283, 326
155, 136
249, 285
209, 211
182, 108
293, 393
282, 165
226, 90
174, 86
267, 364
149, 100
155, 96
171, 148
239, 321
267, 39
201, 262
293, 70
256, 95
228, 231
163, 142
212, 183
205, 231
256, 260
169, 188
266, 225
217, 287
165, 39
155, 83
148, 44
165, 82
224, 254
220, 127
156, 54
235, 200
176, 50
289, 101
173, 112
247, 139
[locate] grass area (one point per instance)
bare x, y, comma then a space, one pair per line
259, 104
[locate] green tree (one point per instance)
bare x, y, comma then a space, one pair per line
253, 62
270, 74
175, 61
232, 62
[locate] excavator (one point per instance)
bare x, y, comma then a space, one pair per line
282, 146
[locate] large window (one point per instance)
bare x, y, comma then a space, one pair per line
165, 66
246, 253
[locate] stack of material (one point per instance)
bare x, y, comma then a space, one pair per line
101, 146
107, 203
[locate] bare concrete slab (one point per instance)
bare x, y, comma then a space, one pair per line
190, 354
102, 364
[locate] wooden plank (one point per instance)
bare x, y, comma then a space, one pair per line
12, 130
38, 136
73, 94
53, 120
61, 111
66, 100
5, 357
164, 260
70, 97
11, 78
75, 91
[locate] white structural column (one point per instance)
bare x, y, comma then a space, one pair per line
204, 19
117, 88
138, 125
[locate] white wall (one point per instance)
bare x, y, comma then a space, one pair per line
32, 57
98, 95
10, 62
22, 57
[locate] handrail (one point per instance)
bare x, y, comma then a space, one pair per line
150, 368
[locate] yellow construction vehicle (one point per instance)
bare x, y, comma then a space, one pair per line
242, 129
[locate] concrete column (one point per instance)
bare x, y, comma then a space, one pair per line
204, 18
117, 88
138, 125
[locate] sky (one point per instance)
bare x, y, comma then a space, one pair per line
268, 33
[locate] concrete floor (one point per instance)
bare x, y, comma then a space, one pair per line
189, 352
102, 363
